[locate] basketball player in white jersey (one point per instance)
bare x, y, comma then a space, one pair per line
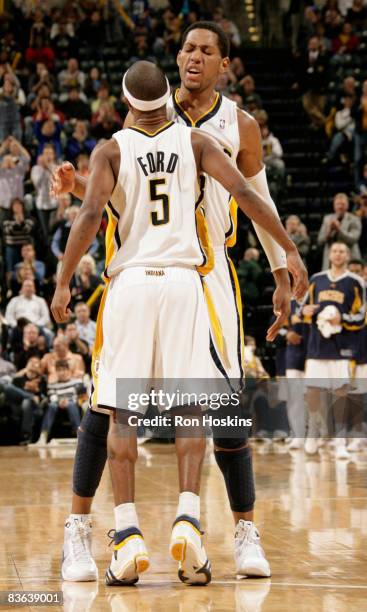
203, 57
154, 313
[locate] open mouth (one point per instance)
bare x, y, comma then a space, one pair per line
193, 71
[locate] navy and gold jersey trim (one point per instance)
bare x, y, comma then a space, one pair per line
238, 314
151, 134
204, 117
116, 236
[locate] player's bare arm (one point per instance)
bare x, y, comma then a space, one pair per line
104, 166
211, 159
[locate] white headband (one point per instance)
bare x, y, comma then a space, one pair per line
145, 105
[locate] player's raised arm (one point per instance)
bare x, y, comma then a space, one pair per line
101, 183
212, 160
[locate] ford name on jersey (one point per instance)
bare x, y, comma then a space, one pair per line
158, 162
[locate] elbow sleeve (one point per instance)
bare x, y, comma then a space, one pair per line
274, 252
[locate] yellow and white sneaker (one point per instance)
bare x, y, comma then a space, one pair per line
249, 555
130, 557
186, 547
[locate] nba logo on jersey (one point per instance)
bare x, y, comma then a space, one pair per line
96, 367
222, 124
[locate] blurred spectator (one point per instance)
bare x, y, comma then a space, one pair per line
85, 280
13, 168
28, 305
344, 129
48, 132
333, 23
59, 215
61, 235
41, 177
31, 346
228, 26
17, 230
75, 106
298, 233
28, 255
360, 134
79, 142
82, 164
76, 344
85, 326
63, 395
41, 76
7, 368
39, 51
357, 14
312, 80
28, 389
340, 226
17, 92
10, 123
345, 43
106, 122
63, 41
362, 185
91, 30
71, 77
272, 151
61, 351
249, 274
93, 83
103, 96
246, 89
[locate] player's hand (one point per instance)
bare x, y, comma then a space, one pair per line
281, 309
60, 303
63, 179
293, 338
299, 274
310, 309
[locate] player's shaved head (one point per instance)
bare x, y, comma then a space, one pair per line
145, 81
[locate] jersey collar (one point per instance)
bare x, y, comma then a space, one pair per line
204, 117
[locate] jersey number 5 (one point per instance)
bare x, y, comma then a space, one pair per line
156, 197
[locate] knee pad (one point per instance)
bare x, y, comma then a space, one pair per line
235, 463
91, 453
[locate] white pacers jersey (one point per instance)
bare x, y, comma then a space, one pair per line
153, 203
221, 122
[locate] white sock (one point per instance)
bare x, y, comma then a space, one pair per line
189, 503
85, 518
125, 516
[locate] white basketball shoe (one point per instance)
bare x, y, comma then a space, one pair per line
130, 557
187, 548
78, 564
249, 555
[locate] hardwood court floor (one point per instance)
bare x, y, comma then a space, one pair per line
312, 515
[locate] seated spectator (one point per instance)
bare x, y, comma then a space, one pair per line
41, 76
41, 178
18, 93
46, 110
10, 121
27, 390
61, 351
312, 81
93, 83
249, 274
13, 168
17, 230
246, 89
48, 132
344, 129
357, 14
75, 106
76, 344
31, 346
71, 77
58, 216
28, 305
63, 41
84, 324
333, 23
298, 233
106, 122
39, 51
340, 226
82, 164
63, 395
85, 280
272, 151
346, 42
23, 272
79, 142
103, 95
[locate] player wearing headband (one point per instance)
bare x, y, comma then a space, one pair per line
148, 283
